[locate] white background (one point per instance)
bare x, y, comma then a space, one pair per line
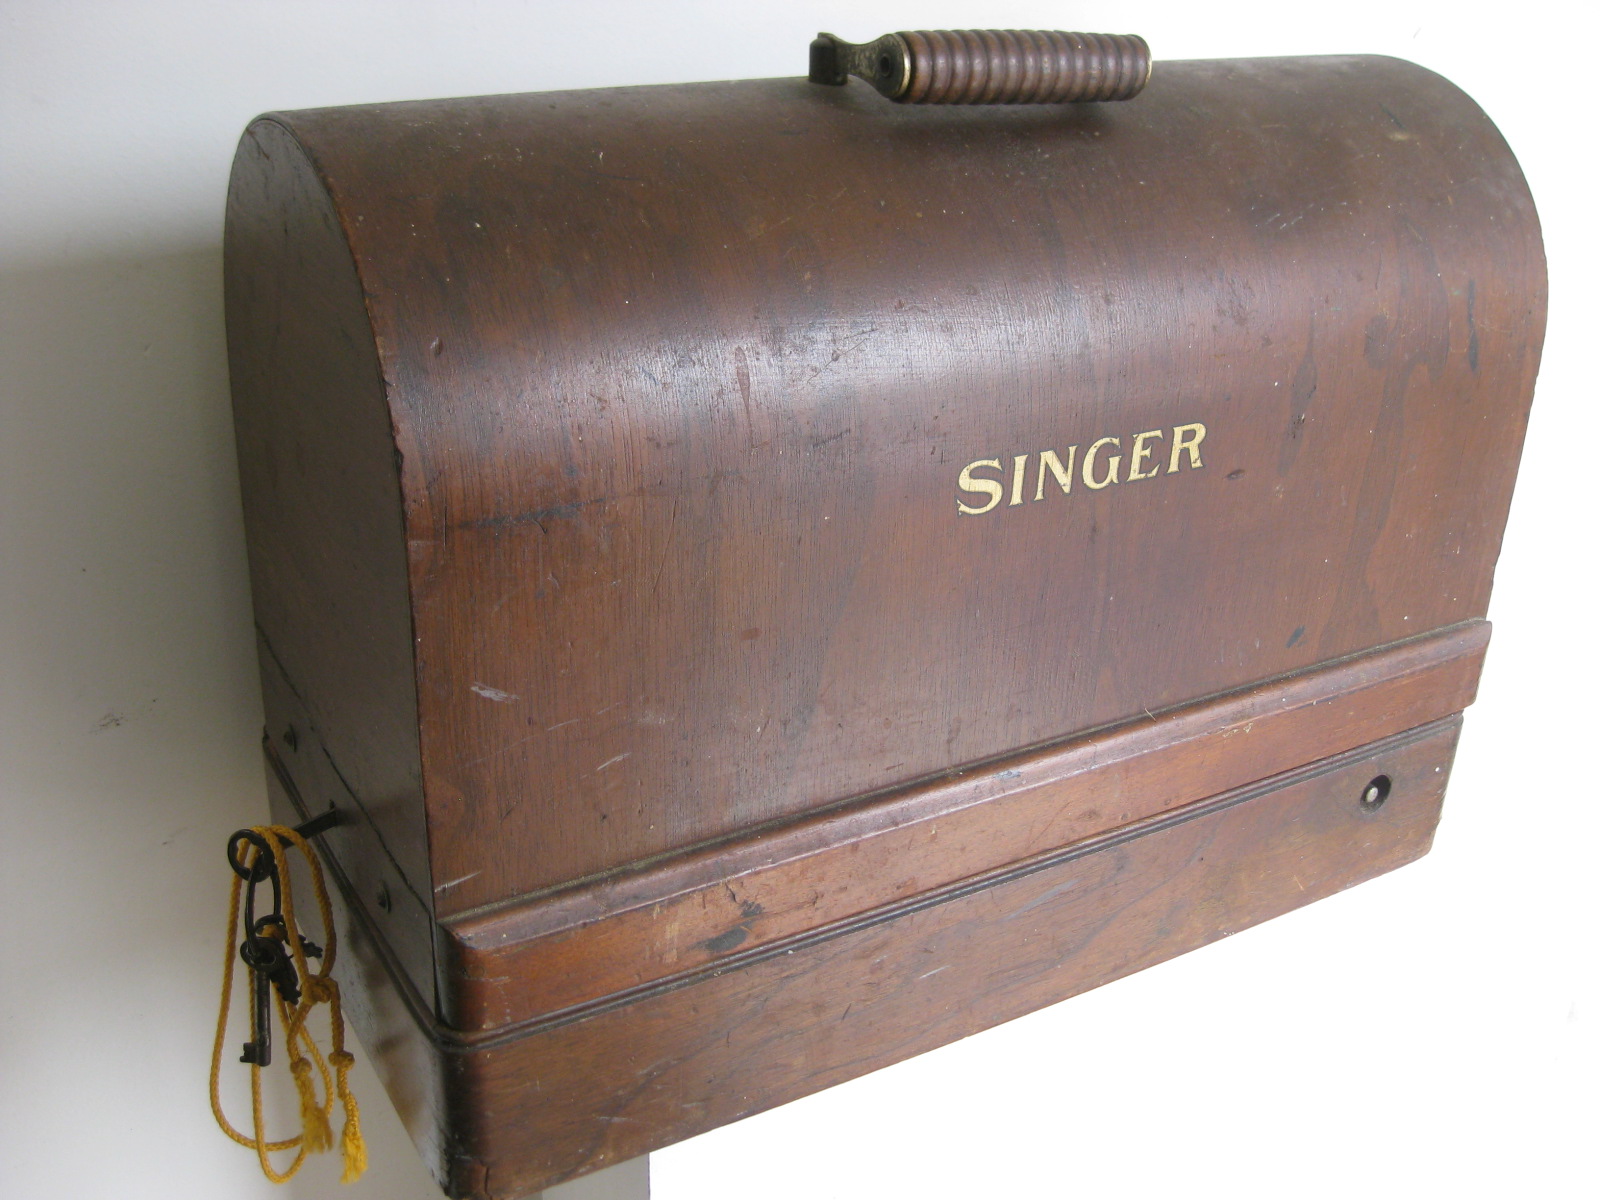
1428, 1034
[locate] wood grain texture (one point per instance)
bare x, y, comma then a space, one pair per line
518, 964
580, 1092
619, 586
323, 526
681, 379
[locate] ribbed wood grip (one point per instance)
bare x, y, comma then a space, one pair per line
1022, 66
988, 66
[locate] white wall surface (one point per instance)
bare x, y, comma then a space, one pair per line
1432, 1033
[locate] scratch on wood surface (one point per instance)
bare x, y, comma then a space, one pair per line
452, 883
666, 549
498, 750
493, 693
741, 372
1043, 899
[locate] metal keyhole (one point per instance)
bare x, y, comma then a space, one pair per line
1375, 793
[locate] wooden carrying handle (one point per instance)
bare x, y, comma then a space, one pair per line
988, 66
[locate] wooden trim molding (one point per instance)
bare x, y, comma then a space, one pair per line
508, 1112
525, 961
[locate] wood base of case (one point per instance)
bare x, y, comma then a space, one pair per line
599, 1083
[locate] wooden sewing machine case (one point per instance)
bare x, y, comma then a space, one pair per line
773, 581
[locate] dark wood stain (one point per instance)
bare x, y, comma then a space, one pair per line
599, 454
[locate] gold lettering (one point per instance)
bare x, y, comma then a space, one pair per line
1063, 474
1142, 452
968, 482
1186, 437
986, 483
1088, 464
1019, 471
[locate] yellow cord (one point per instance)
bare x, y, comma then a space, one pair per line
316, 1131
